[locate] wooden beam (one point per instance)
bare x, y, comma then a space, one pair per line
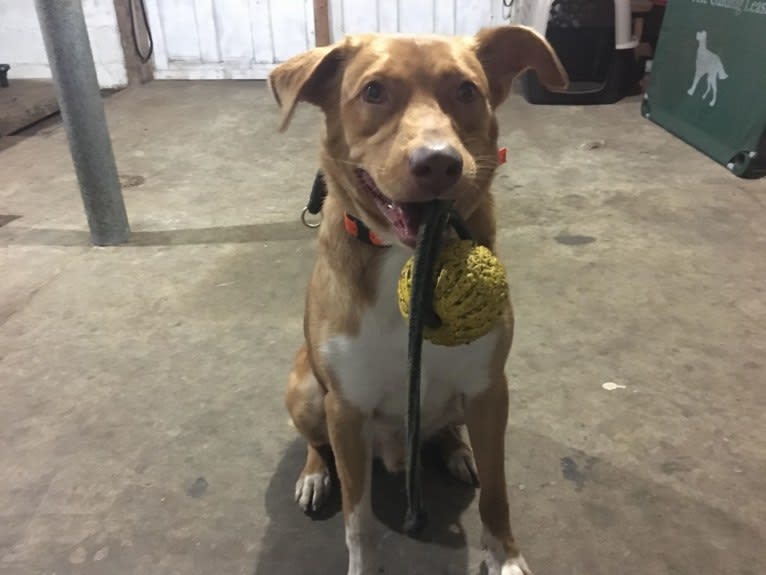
322, 22
138, 72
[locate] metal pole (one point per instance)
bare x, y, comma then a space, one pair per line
71, 60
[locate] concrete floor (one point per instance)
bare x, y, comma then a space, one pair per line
24, 102
143, 430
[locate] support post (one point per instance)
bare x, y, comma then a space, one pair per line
322, 22
69, 54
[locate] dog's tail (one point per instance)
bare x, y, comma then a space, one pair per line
722, 75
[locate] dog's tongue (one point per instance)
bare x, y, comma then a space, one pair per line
405, 218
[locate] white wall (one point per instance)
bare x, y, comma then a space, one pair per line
235, 39
214, 39
21, 42
413, 16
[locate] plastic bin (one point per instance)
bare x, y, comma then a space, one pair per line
593, 39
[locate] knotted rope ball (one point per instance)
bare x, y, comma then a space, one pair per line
470, 293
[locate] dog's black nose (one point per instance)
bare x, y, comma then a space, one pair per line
436, 167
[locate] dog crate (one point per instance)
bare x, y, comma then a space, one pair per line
592, 38
708, 81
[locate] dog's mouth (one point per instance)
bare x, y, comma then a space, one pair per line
404, 217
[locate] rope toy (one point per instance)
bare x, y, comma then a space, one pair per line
470, 293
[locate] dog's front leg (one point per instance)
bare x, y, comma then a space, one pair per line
697, 78
351, 440
486, 419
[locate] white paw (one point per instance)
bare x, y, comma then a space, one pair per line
312, 490
364, 535
364, 555
367, 570
515, 566
462, 466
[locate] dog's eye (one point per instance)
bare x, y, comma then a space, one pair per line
467, 92
373, 93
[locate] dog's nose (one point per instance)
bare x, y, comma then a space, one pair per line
436, 167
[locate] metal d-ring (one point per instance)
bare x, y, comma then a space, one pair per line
312, 225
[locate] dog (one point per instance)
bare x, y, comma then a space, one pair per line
708, 64
406, 120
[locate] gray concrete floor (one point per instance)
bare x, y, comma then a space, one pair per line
24, 102
142, 427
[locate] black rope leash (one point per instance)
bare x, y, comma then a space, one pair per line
421, 311
438, 214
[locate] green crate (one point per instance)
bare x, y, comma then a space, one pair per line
708, 80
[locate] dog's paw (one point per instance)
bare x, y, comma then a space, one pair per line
364, 557
503, 559
368, 570
312, 490
463, 467
515, 566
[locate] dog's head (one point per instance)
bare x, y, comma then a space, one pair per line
411, 119
702, 35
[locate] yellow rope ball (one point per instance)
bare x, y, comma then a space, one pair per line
470, 293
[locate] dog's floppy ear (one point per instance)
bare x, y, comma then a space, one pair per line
506, 51
309, 77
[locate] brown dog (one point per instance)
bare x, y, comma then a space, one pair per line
407, 120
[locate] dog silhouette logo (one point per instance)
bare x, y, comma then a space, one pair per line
708, 64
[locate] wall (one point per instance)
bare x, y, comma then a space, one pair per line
413, 16
21, 42
238, 39
231, 39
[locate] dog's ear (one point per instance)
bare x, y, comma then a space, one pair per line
506, 51
313, 77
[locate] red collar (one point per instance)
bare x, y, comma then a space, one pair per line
360, 231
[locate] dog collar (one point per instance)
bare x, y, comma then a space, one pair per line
357, 228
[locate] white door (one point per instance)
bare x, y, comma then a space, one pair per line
414, 16
244, 39
227, 39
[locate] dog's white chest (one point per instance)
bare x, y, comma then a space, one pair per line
372, 366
